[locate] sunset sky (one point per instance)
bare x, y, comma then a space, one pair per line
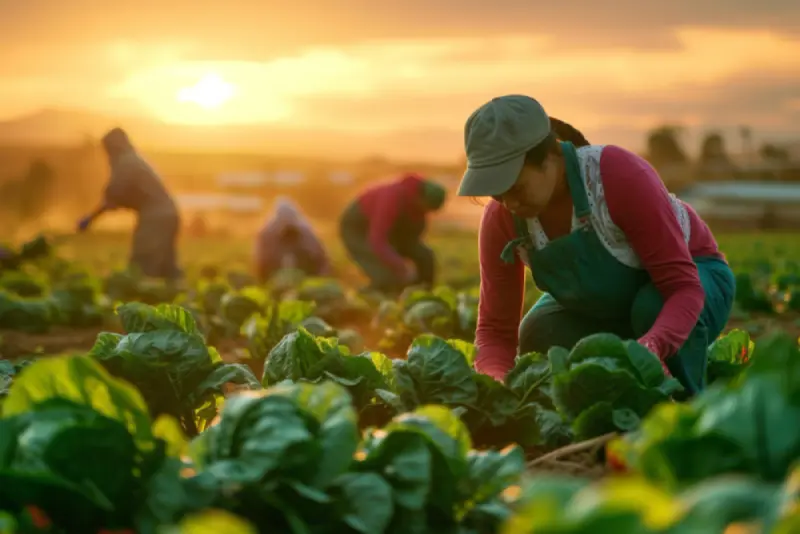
365, 66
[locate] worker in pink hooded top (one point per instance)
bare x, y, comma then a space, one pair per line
612, 250
287, 240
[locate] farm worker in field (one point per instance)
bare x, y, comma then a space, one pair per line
287, 240
611, 249
382, 231
134, 185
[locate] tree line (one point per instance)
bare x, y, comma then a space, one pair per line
665, 148
28, 197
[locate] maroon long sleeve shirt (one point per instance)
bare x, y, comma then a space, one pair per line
383, 205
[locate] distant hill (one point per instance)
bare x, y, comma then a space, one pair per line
58, 127
70, 127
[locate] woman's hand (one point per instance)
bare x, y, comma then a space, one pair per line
84, 223
499, 376
495, 371
652, 348
409, 274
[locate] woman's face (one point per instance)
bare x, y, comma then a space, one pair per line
534, 189
422, 206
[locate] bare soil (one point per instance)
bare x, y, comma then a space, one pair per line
585, 459
15, 344
58, 340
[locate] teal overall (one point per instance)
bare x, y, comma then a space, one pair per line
587, 290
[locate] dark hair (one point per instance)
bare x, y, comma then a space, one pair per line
559, 130
567, 132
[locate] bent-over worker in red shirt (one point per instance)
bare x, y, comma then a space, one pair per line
382, 231
611, 249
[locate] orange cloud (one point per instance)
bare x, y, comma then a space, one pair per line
427, 83
453, 75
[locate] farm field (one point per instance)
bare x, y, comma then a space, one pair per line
762, 256
309, 407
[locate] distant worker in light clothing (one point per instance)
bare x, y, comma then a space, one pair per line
134, 185
287, 240
382, 231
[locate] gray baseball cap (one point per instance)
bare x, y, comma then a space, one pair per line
496, 138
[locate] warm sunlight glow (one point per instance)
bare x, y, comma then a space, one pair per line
413, 94
206, 93
210, 92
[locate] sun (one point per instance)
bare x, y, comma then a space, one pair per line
210, 92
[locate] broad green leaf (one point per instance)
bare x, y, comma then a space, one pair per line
596, 420
625, 419
183, 355
258, 434
98, 454
529, 377
589, 382
734, 347
137, 317
213, 521
169, 430
559, 360
228, 373
554, 430
404, 460
384, 367
79, 466
292, 358
498, 417
616, 505
649, 370
8, 525
331, 406
434, 373
754, 418
449, 443
729, 355
491, 472
444, 429
715, 504
292, 312
364, 500
599, 346
105, 344
542, 504
236, 307
81, 380
466, 348
656, 509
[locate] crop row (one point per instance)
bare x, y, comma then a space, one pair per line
145, 434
